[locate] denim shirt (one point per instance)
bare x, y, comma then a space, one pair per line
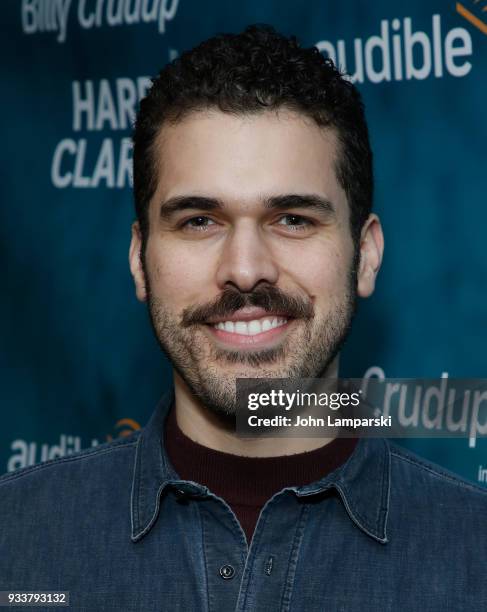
117, 528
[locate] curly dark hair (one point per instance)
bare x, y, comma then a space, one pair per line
256, 70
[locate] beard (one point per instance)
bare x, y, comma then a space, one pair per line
210, 372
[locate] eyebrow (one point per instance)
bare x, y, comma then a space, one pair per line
313, 202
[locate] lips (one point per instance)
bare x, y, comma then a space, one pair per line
249, 314
251, 328
266, 332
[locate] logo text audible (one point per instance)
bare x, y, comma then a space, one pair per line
402, 52
29, 453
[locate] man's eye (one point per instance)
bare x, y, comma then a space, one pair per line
295, 222
199, 223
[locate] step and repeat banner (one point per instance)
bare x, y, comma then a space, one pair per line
79, 364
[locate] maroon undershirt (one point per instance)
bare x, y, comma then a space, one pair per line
246, 483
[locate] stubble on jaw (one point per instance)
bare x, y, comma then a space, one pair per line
305, 353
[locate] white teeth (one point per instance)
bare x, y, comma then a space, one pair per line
255, 327
251, 328
241, 328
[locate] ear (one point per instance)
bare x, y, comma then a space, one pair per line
135, 262
371, 251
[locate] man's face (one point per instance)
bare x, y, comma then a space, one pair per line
249, 259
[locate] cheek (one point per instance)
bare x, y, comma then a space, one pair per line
174, 275
321, 272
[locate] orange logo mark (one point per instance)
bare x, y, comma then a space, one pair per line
126, 427
469, 14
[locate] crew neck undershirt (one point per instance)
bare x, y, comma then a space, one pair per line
246, 483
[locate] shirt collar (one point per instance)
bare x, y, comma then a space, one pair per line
363, 481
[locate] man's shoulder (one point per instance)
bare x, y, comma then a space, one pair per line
101, 462
422, 478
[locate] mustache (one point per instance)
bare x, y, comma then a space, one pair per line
268, 297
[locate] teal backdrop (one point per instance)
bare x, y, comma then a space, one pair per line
79, 365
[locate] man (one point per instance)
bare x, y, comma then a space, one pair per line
254, 237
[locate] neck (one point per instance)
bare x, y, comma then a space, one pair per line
204, 427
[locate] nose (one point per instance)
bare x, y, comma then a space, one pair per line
246, 259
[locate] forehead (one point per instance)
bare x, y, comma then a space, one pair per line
242, 158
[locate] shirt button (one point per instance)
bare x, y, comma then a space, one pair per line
181, 496
227, 572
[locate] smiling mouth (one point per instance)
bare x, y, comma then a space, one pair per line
250, 328
263, 332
